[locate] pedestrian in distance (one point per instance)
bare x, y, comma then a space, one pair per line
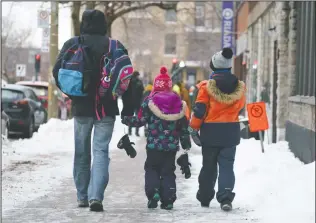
147, 92
218, 103
137, 96
164, 112
94, 101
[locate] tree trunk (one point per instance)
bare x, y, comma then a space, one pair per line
90, 5
75, 16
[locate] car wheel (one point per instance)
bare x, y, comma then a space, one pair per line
30, 130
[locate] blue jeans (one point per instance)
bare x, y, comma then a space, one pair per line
224, 158
91, 181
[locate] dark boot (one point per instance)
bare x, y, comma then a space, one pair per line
153, 203
226, 205
96, 206
166, 206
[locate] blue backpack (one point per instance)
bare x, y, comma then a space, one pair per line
74, 76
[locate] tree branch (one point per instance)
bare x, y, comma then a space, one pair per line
164, 6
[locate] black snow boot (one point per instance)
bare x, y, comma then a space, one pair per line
226, 206
204, 204
126, 144
183, 162
166, 206
96, 206
153, 202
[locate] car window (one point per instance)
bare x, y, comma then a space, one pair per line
31, 95
12, 95
40, 91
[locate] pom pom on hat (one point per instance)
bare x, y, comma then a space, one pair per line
162, 81
222, 59
227, 53
163, 70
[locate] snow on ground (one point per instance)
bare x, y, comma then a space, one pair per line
274, 187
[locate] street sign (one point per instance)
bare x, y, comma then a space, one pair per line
45, 40
45, 34
45, 46
43, 19
20, 70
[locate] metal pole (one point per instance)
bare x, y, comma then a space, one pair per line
261, 141
52, 97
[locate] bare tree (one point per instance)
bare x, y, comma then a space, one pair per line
114, 10
11, 40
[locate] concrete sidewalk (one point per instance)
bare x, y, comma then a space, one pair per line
125, 200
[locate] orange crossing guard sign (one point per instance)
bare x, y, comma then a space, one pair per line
257, 116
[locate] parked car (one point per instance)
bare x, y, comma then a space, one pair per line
41, 90
4, 123
25, 111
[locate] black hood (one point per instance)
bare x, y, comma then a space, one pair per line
226, 82
93, 23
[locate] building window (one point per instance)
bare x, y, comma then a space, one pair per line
305, 50
171, 44
170, 15
199, 14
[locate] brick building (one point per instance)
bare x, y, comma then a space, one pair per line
276, 58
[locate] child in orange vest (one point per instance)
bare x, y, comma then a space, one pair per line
217, 106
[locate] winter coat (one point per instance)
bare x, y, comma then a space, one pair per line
216, 110
92, 32
164, 112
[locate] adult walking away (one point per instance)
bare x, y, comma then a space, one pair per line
217, 106
92, 181
137, 96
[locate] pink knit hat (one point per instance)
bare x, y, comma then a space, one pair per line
162, 81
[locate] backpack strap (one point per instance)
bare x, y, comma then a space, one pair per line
77, 40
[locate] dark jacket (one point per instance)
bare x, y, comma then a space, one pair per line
137, 92
92, 32
167, 125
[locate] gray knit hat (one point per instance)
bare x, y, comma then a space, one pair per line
222, 59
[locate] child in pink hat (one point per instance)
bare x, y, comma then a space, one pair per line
164, 112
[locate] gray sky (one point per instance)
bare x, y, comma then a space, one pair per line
24, 14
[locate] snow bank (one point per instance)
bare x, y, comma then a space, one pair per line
275, 186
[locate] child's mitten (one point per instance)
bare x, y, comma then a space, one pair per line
195, 136
126, 144
183, 162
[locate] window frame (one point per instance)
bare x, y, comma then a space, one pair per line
175, 44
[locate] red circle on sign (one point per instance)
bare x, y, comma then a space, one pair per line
43, 14
256, 111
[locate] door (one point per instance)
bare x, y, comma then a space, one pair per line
274, 91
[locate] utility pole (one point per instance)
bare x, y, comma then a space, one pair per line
53, 53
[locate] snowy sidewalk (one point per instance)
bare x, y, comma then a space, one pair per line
124, 202
37, 184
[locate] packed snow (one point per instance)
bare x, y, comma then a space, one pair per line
271, 187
